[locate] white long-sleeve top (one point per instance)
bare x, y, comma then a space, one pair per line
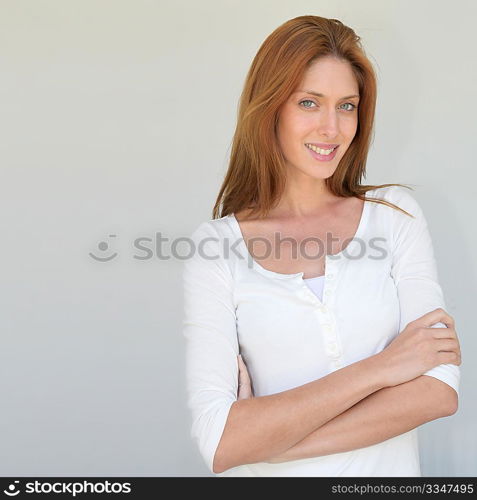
385, 278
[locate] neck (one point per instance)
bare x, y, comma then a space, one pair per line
304, 198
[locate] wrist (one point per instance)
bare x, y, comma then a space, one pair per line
376, 366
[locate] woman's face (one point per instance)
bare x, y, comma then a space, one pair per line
327, 120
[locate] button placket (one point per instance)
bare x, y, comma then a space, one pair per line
331, 340
325, 315
328, 327
332, 346
330, 274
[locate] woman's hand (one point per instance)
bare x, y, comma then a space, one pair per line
245, 389
420, 347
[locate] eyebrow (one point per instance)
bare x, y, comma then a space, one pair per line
322, 95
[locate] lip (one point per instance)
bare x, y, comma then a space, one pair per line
322, 145
319, 157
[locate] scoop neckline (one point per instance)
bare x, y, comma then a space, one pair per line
273, 274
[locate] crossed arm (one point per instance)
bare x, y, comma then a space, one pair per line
382, 415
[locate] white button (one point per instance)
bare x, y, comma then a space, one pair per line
327, 291
327, 328
333, 349
331, 276
334, 354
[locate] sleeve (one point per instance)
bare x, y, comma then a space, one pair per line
209, 328
414, 272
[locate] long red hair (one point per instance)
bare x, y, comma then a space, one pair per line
256, 174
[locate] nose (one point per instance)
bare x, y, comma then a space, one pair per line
328, 125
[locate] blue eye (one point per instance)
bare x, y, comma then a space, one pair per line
307, 100
353, 107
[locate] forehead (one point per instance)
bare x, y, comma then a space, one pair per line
329, 76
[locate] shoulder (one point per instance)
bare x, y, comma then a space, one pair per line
400, 196
210, 243
218, 228
207, 254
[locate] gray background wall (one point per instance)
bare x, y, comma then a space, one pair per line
116, 119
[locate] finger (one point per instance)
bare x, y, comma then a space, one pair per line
452, 358
244, 392
442, 333
435, 316
243, 372
447, 345
245, 389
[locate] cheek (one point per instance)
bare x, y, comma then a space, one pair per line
349, 126
293, 129
302, 127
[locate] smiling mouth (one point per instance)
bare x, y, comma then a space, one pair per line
321, 151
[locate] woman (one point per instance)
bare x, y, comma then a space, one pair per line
336, 391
